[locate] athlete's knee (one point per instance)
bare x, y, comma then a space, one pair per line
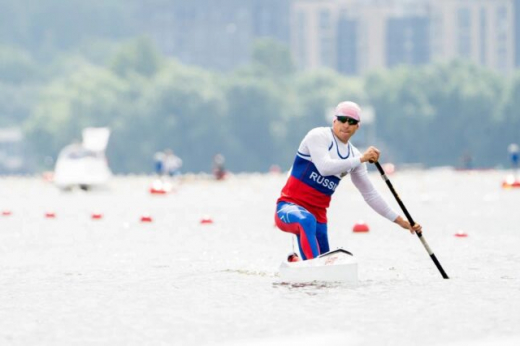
308, 220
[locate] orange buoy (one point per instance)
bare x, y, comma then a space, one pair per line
206, 220
510, 185
510, 182
50, 215
97, 216
360, 227
6, 213
146, 218
461, 234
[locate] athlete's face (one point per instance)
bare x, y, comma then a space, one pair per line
344, 130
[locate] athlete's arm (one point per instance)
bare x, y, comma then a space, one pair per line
318, 142
370, 194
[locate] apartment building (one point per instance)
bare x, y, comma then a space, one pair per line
356, 36
214, 34
482, 31
349, 36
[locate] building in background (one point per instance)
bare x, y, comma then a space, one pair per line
215, 34
349, 36
355, 36
482, 31
516, 19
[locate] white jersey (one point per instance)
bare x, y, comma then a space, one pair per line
331, 161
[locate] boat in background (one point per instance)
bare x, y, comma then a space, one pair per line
334, 266
84, 165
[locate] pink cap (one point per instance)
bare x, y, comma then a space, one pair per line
348, 109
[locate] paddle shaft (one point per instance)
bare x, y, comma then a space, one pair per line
409, 217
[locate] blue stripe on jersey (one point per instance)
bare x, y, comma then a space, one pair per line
304, 155
306, 172
349, 148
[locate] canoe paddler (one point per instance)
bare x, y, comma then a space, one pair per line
324, 157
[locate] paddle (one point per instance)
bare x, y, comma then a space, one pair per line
409, 217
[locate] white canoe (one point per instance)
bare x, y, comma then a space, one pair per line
334, 266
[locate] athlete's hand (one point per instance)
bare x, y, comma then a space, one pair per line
417, 228
371, 155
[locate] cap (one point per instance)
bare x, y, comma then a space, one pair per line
349, 109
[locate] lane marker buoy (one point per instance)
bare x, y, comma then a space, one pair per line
97, 216
510, 181
360, 227
146, 218
206, 220
461, 234
157, 191
160, 188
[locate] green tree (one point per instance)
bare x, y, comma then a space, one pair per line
434, 114
316, 95
20, 80
182, 109
272, 58
139, 56
17, 66
52, 26
91, 96
508, 118
255, 107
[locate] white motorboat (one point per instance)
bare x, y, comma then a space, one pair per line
334, 266
84, 164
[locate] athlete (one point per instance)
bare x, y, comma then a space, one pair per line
324, 157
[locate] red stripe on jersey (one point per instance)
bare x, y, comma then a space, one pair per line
303, 195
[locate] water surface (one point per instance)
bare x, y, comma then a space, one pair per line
117, 281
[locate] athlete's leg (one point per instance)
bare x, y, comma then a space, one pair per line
322, 237
297, 220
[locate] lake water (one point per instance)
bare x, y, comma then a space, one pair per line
73, 280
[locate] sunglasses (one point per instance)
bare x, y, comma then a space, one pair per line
343, 119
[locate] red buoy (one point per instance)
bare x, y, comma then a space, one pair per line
146, 218
160, 188
50, 215
360, 227
510, 182
206, 220
97, 216
461, 234
6, 213
510, 185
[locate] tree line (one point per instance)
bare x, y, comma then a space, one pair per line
256, 115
